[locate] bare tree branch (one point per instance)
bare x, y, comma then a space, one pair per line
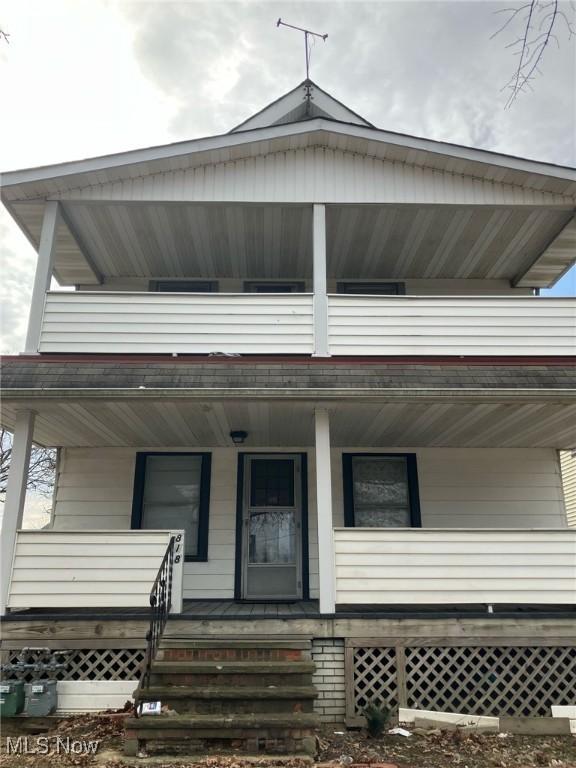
42, 467
539, 20
4, 36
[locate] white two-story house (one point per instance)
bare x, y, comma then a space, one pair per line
307, 356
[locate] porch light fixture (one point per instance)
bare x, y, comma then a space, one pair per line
238, 436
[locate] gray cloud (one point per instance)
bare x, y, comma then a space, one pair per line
17, 269
426, 68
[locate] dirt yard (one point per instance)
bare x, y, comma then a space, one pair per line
449, 749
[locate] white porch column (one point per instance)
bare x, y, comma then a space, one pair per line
15, 498
321, 348
324, 505
43, 276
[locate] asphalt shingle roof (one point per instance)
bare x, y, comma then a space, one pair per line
109, 373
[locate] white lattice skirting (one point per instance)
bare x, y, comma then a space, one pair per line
483, 680
84, 664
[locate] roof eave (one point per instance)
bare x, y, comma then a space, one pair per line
12, 179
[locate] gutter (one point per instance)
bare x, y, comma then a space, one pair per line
356, 394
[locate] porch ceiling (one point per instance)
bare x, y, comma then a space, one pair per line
144, 239
439, 241
289, 423
184, 240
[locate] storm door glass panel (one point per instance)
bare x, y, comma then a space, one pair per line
272, 517
272, 483
380, 492
171, 496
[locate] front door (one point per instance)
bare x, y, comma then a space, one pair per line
272, 527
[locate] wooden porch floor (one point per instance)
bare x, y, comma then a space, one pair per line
230, 609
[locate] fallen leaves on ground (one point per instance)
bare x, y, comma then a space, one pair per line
429, 749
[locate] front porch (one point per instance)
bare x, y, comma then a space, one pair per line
352, 494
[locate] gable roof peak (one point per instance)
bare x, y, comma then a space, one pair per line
304, 102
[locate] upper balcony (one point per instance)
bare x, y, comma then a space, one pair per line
296, 279
283, 324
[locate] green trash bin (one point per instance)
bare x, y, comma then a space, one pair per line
11, 698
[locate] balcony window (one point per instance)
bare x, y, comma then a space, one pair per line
184, 286
375, 288
172, 491
276, 286
380, 490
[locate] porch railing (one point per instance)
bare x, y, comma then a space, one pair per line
90, 569
419, 566
161, 605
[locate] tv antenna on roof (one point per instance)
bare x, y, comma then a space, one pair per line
307, 32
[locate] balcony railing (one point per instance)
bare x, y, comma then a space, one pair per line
451, 325
166, 323
419, 566
250, 323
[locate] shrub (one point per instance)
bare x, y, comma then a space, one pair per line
376, 719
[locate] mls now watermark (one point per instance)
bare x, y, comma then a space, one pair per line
50, 745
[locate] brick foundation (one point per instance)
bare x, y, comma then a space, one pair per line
328, 655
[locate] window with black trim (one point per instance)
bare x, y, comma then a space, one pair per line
376, 288
172, 491
381, 490
184, 286
273, 286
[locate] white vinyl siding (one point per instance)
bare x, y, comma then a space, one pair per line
177, 323
96, 484
283, 323
449, 325
478, 487
464, 488
568, 464
77, 569
316, 175
418, 566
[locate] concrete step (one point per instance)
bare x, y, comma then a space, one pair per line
233, 667
232, 700
217, 723
245, 733
231, 673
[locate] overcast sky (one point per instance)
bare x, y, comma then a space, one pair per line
83, 78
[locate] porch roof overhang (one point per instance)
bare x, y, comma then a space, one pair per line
394, 405
545, 241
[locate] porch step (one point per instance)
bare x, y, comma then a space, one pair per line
231, 700
204, 723
218, 667
246, 694
251, 733
251, 642
242, 651
224, 673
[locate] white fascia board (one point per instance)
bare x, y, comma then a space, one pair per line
241, 138
32, 397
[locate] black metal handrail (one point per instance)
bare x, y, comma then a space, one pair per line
160, 604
